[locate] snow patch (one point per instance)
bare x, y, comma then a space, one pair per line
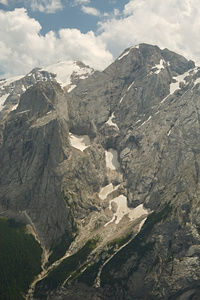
71, 88
14, 107
122, 98
112, 159
110, 122
197, 81
137, 212
141, 224
23, 112
65, 69
124, 54
124, 210
2, 100
130, 85
23, 88
80, 142
145, 121
169, 132
49, 112
159, 67
163, 100
10, 80
106, 190
175, 85
138, 121
128, 51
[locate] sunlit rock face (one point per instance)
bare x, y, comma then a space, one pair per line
115, 160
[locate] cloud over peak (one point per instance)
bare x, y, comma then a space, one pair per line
172, 24
23, 47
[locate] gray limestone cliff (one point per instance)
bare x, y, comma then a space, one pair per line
113, 167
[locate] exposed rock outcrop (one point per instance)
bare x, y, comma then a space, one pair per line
115, 161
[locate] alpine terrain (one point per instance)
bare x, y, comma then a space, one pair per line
103, 170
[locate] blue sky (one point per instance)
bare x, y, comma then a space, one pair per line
69, 14
42, 32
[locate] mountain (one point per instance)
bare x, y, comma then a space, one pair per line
66, 73
107, 176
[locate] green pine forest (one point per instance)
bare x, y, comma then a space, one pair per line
20, 259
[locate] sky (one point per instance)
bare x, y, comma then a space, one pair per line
38, 33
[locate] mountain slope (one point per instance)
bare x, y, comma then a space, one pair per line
67, 73
112, 168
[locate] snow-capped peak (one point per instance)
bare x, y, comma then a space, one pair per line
69, 73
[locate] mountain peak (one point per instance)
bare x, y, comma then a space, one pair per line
67, 73
107, 176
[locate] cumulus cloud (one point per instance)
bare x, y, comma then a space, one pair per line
4, 2
89, 48
91, 11
23, 47
174, 24
46, 6
77, 2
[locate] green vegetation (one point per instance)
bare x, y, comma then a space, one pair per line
89, 275
67, 268
136, 247
59, 249
119, 242
20, 259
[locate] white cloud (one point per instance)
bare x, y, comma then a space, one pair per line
90, 11
78, 2
174, 24
4, 2
23, 48
46, 6
86, 47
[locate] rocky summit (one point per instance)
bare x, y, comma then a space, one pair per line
104, 169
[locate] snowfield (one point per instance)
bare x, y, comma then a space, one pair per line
65, 69
123, 210
112, 159
80, 142
106, 190
110, 121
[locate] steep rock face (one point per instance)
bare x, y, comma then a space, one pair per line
145, 105
136, 73
11, 89
34, 143
67, 73
116, 160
